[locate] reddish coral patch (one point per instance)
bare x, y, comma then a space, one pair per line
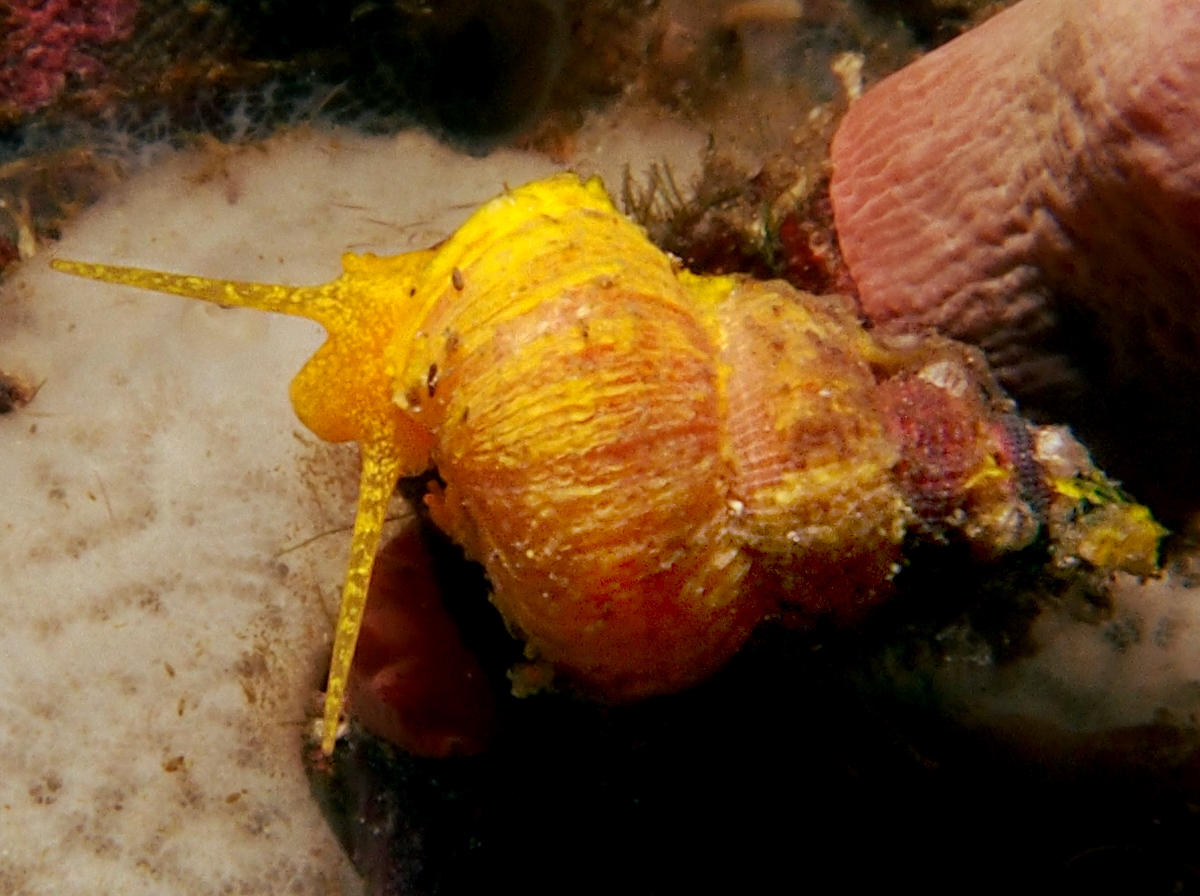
43, 47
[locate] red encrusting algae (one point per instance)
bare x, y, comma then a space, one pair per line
44, 46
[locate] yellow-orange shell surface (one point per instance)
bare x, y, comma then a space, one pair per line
623, 489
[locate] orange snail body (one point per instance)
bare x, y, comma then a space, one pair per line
643, 460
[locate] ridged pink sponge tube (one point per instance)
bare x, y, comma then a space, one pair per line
1034, 186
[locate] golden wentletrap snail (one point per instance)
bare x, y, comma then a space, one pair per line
646, 461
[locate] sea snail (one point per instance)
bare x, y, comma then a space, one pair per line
647, 462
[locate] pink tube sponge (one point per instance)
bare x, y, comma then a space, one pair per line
1039, 174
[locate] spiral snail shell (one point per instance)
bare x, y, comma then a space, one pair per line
645, 461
